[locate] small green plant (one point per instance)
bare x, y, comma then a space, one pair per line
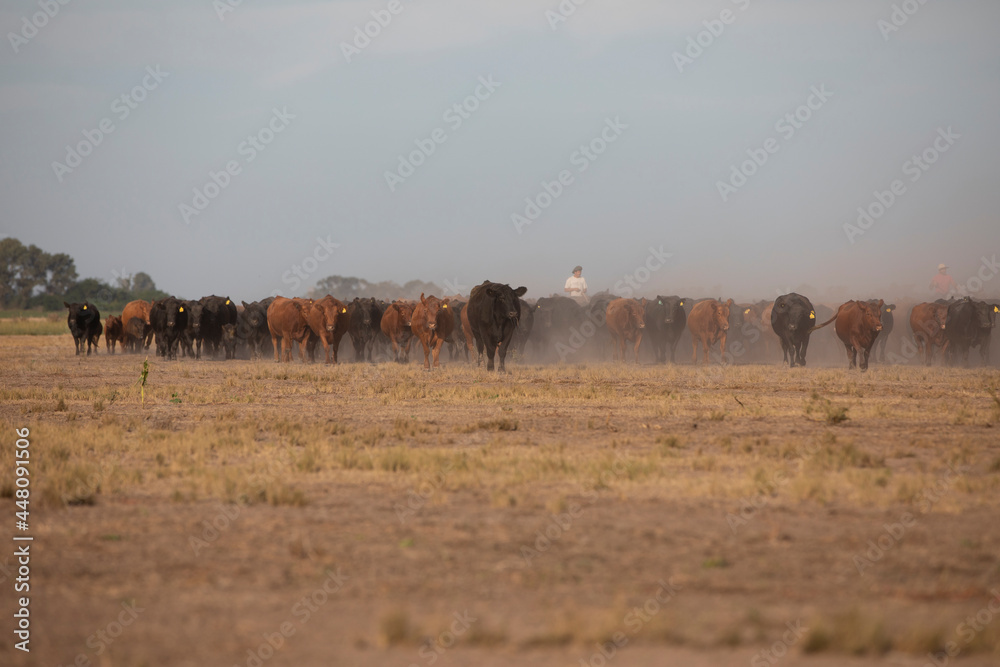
143, 374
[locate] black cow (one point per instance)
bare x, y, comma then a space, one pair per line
84, 322
192, 332
494, 310
524, 327
365, 321
229, 340
168, 317
217, 311
557, 325
597, 312
666, 320
251, 327
793, 319
458, 345
135, 330
969, 324
888, 322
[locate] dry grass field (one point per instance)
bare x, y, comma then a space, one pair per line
556, 515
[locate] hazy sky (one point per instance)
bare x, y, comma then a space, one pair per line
309, 133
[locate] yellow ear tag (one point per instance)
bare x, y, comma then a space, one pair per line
181, 309
682, 303
444, 306
85, 308
996, 309
227, 302
812, 315
344, 310
746, 312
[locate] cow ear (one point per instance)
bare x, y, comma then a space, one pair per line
67, 305
643, 302
422, 299
521, 291
892, 306
729, 302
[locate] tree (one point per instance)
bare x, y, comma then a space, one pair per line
141, 282
62, 274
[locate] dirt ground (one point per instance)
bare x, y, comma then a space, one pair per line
556, 515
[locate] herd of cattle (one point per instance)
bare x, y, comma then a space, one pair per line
494, 317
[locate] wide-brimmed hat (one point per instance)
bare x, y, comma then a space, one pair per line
577, 268
941, 266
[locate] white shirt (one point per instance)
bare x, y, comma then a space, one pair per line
577, 285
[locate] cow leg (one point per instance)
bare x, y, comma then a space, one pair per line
436, 344
427, 353
638, 340
491, 350
722, 347
502, 353
864, 358
694, 355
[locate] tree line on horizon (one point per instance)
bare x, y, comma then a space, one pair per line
32, 279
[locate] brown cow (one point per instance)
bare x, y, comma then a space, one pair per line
395, 324
626, 319
286, 320
113, 333
432, 323
709, 322
858, 325
329, 321
140, 309
927, 321
470, 343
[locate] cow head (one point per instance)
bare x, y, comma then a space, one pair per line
872, 314
673, 307
176, 314
720, 312
985, 314
506, 300
431, 307
638, 309
194, 310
